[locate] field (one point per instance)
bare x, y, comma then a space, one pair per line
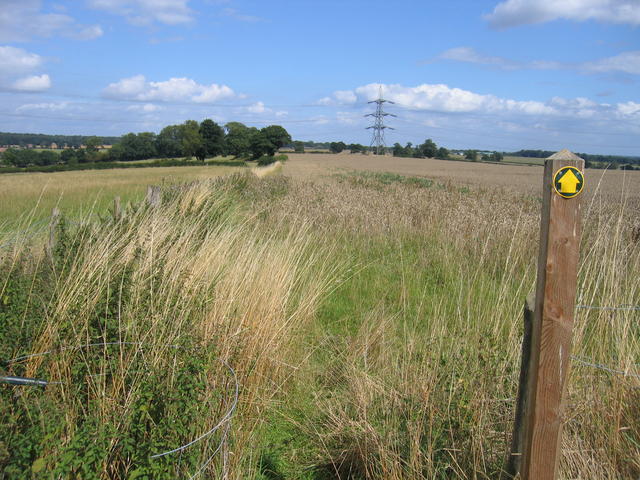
369, 309
516, 178
28, 197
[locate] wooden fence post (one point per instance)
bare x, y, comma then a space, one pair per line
153, 195
551, 332
514, 460
53, 224
117, 209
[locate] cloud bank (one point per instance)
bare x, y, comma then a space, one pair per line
513, 13
625, 62
22, 20
147, 12
137, 88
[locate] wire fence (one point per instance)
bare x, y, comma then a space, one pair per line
586, 362
618, 307
224, 423
10, 238
24, 235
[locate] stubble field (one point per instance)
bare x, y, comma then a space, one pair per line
517, 178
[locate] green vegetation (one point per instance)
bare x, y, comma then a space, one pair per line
30, 197
428, 149
373, 321
190, 139
25, 139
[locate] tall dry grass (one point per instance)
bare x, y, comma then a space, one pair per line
196, 273
423, 382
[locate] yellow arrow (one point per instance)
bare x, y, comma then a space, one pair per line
569, 182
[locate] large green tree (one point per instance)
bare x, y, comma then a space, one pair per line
212, 138
238, 139
169, 142
192, 144
428, 149
277, 136
260, 145
337, 147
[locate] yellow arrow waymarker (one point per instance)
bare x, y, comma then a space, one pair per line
568, 182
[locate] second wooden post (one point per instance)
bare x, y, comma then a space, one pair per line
551, 335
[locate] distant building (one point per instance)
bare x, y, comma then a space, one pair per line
54, 146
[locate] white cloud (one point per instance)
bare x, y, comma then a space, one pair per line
147, 12
88, 33
18, 61
628, 109
443, 98
339, 97
469, 55
349, 118
257, 107
511, 13
146, 108
625, 62
52, 107
33, 83
21, 20
173, 90
236, 15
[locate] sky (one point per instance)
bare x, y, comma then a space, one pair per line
486, 74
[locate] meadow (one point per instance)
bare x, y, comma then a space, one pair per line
28, 197
371, 320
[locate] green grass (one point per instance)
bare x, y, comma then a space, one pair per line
27, 197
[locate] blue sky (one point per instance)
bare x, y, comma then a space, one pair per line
487, 74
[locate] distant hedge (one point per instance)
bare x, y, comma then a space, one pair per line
65, 167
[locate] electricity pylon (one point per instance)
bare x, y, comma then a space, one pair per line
378, 124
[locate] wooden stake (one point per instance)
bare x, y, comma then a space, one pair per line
153, 195
514, 460
117, 209
55, 219
551, 334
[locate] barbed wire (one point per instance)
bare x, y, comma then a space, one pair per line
587, 363
225, 420
619, 307
28, 234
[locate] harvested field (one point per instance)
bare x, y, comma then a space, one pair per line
524, 179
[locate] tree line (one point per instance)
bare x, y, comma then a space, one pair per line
25, 139
614, 160
428, 149
186, 140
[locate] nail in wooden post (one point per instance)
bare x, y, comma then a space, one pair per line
560, 232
